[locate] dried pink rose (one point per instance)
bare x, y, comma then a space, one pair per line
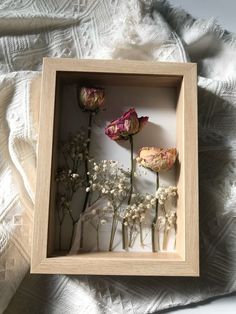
91, 99
128, 124
157, 159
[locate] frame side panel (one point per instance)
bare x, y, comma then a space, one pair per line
43, 182
191, 171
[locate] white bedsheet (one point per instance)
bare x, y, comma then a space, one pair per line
145, 30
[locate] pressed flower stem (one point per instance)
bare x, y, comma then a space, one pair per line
175, 237
154, 238
130, 235
124, 228
157, 187
165, 239
155, 246
72, 233
113, 231
114, 227
98, 247
81, 234
124, 235
61, 219
86, 160
60, 236
131, 167
87, 176
141, 234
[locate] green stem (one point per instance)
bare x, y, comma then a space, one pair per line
60, 219
114, 225
155, 245
72, 234
130, 235
98, 246
141, 234
124, 235
60, 235
81, 233
131, 168
86, 174
86, 160
157, 186
124, 228
113, 230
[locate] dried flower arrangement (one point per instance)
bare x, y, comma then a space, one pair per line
109, 193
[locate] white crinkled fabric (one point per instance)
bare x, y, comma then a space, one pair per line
142, 30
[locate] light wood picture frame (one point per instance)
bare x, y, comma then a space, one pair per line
185, 260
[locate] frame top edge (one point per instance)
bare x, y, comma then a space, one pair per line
60, 64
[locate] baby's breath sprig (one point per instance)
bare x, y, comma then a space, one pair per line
170, 222
74, 151
135, 216
70, 178
112, 183
98, 216
169, 217
61, 208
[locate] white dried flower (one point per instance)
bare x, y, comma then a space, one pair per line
153, 201
75, 175
94, 186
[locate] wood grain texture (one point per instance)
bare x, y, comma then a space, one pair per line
44, 166
185, 262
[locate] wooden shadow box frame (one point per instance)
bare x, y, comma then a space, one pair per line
183, 77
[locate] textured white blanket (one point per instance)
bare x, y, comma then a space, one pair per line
145, 30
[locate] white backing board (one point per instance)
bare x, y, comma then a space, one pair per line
159, 105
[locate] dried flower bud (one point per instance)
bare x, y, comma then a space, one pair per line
157, 159
128, 124
91, 99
